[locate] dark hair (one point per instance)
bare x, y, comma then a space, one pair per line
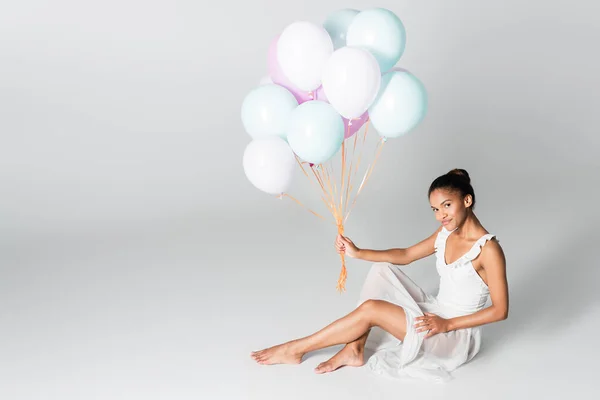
456, 180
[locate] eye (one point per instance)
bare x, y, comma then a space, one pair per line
447, 204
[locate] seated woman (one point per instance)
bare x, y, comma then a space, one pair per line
418, 335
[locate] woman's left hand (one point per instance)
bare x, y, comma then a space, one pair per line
432, 323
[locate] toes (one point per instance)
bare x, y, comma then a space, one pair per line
323, 367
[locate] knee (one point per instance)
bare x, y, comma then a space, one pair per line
370, 306
369, 311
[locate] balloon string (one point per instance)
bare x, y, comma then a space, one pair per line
354, 171
307, 176
331, 173
367, 175
380, 147
341, 283
347, 189
301, 167
326, 180
324, 176
302, 205
325, 201
319, 179
343, 180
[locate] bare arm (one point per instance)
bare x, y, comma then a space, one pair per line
494, 264
394, 256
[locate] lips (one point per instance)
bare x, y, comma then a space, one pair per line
445, 222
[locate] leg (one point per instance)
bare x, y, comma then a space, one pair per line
353, 326
351, 355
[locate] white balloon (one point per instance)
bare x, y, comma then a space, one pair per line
269, 164
302, 50
351, 80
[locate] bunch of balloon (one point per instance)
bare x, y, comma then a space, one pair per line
326, 82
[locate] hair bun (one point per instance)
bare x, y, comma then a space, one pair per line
460, 172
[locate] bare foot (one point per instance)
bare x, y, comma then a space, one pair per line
281, 354
349, 355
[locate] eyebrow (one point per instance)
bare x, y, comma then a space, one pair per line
442, 202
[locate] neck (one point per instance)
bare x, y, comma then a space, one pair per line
469, 227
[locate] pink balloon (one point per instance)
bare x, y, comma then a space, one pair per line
357, 123
351, 128
279, 78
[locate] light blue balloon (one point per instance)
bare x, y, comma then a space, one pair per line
266, 111
400, 105
337, 24
316, 131
381, 32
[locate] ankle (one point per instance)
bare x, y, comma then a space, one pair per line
356, 348
296, 347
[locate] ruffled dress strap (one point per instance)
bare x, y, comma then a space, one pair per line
440, 240
474, 252
476, 249
440, 247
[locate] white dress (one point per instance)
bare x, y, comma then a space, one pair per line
461, 292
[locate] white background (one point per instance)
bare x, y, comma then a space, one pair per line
137, 261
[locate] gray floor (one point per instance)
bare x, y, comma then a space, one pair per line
173, 312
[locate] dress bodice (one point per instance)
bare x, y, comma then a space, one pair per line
461, 287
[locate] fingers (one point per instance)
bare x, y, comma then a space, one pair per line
340, 244
427, 322
432, 331
423, 324
340, 248
344, 239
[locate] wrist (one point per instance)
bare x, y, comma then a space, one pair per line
451, 326
358, 253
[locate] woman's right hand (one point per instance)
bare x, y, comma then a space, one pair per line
343, 245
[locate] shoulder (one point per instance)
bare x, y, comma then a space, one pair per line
492, 253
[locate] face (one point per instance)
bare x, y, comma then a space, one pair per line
450, 208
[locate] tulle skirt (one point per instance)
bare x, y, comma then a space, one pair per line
415, 357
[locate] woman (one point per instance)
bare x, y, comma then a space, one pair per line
418, 335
